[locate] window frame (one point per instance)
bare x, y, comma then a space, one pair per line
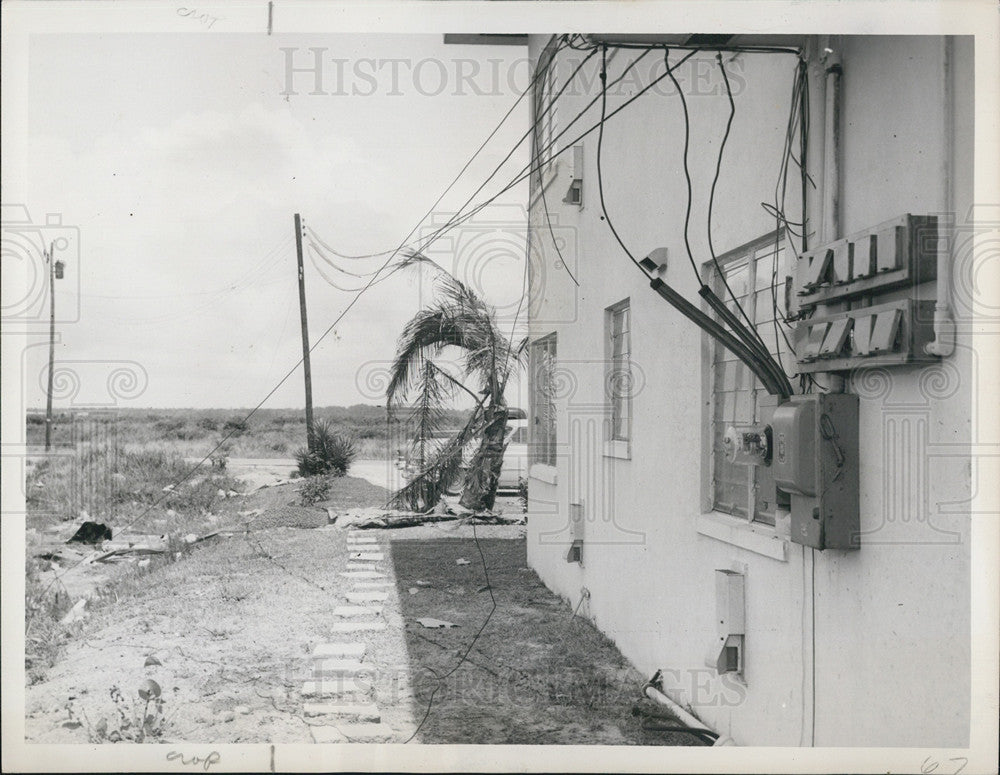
545, 115
620, 409
542, 452
771, 247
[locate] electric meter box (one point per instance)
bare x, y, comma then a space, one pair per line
814, 467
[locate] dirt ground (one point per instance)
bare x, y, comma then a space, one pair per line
536, 674
227, 631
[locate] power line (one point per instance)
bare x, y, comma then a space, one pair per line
461, 172
292, 370
533, 165
711, 201
687, 171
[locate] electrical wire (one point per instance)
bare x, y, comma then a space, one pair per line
458, 218
534, 165
738, 49
294, 368
711, 197
687, 171
462, 171
555, 242
750, 351
798, 116
600, 148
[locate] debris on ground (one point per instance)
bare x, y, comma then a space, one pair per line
91, 533
434, 624
462, 561
382, 518
77, 612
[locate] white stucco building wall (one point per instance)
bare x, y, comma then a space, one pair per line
840, 646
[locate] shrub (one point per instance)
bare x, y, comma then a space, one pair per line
236, 427
208, 424
315, 489
331, 453
168, 425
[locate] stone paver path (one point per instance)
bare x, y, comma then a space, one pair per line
342, 693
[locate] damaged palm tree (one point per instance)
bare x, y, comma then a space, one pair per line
458, 318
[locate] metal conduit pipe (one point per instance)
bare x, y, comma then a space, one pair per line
766, 360
944, 321
714, 329
834, 71
684, 717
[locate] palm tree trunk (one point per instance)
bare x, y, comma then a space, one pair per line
484, 472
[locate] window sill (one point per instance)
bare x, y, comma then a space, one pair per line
618, 448
543, 473
761, 539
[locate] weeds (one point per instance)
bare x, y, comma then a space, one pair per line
128, 723
522, 494
102, 480
315, 489
46, 609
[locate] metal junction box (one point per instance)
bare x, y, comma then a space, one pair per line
725, 654
846, 318
897, 253
814, 468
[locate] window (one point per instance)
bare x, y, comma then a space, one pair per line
545, 111
619, 384
542, 448
753, 274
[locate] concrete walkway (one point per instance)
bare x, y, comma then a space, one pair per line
351, 695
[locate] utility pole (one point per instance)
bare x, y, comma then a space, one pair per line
305, 334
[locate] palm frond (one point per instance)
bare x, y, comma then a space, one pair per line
425, 489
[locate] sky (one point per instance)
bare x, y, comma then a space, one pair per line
176, 164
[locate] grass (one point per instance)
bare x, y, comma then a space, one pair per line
47, 638
195, 432
537, 674
108, 482
147, 490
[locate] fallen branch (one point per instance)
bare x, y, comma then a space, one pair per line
379, 519
124, 552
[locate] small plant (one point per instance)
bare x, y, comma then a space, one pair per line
131, 722
315, 489
330, 453
522, 494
